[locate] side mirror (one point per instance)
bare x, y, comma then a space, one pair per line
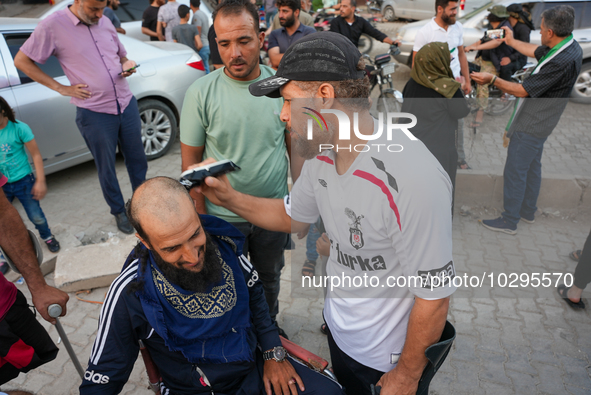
36, 246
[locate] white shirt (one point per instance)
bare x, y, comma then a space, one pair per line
388, 215
453, 36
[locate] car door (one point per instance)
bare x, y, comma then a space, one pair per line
49, 114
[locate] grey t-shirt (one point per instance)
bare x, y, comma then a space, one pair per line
185, 34
169, 14
200, 20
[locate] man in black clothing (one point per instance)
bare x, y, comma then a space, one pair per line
352, 26
150, 19
522, 28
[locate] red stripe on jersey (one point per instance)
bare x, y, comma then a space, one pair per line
325, 159
19, 355
374, 180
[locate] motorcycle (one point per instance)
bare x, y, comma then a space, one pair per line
322, 20
380, 70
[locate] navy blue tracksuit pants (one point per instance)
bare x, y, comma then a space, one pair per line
102, 132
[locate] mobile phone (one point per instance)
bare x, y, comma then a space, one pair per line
195, 177
495, 34
128, 70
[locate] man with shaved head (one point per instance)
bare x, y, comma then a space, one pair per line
190, 295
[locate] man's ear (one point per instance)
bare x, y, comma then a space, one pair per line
261, 39
326, 93
144, 242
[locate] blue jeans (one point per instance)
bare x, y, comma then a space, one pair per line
204, 54
265, 251
102, 132
522, 177
21, 190
313, 236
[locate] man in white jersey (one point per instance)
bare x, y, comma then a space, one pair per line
386, 211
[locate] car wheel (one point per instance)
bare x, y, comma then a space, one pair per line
159, 128
389, 14
581, 92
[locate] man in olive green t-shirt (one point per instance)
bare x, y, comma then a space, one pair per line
221, 120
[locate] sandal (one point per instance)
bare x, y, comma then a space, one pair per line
463, 165
324, 329
309, 268
563, 292
575, 255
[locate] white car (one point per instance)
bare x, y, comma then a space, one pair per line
166, 71
130, 14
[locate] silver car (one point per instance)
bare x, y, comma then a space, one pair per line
130, 14
474, 26
166, 71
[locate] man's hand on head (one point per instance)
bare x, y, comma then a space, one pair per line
281, 378
218, 190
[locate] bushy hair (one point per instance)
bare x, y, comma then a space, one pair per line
237, 7
196, 3
443, 3
347, 89
292, 4
183, 11
560, 19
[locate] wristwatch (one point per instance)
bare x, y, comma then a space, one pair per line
276, 353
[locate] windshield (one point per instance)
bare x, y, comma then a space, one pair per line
476, 11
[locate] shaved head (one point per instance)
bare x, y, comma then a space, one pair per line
160, 200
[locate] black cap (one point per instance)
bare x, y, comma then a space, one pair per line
321, 56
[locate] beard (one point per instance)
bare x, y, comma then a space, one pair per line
247, 70
448, 19
194, 281
86, 18
309, 149
287, 22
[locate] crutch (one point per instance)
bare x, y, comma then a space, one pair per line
435, 354
55, 310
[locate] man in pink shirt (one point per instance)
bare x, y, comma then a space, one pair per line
24, 343
94, 60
